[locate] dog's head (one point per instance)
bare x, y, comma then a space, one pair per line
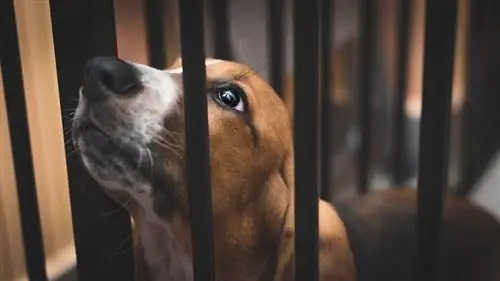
129, 129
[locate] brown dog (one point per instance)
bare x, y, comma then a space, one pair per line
381, 230
129, 129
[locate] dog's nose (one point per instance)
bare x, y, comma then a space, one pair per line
105, 76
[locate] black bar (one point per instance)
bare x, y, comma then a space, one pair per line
21, 144
197, 143
366, 47
480, 135
275, 43
81, 30
440, 28
400, 132
155, 31
326, 89
220, 17
306, 137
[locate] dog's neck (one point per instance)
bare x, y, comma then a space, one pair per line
246, 241
164, 246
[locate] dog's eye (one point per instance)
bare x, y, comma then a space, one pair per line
231, 95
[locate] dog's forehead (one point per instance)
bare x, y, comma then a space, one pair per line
177, 67
215, 68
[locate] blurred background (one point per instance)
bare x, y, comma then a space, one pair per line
474, 157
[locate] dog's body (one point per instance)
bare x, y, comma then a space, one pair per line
129, 129
381, 230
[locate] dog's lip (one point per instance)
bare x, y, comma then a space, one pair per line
93, 135
105, 144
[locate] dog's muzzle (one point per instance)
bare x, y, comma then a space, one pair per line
120, 116
106, 81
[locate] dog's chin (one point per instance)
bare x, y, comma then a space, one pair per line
112, 163
127, 167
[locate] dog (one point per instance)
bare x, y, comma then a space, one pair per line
129, 131
381, 227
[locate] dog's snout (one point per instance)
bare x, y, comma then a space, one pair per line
106, 76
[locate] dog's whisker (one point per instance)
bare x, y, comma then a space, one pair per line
72, 152
171, 149
67, 131
173, 135
70, 113
119, 251
122, 206
116, 254
151, 161
68, 117
174, 143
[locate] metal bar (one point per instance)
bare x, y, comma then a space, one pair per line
197, 142
81, 30
480, 135
400, 139
155, 31
440, 28
306, 137
222, 42
21, 144
326, 98
275, 43
367, 35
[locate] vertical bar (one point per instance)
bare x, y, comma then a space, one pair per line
400, 139
81, 30
480, 134
275, 43
440, 27
222, 42
155, 31
367, 34
21, 145
326, 98
197, 143
306, 137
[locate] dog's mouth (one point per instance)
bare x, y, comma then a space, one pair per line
125, 164
108, 154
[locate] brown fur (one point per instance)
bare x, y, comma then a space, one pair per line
381, 229
252, 190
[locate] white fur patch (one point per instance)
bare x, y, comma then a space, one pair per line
141, 120
162, 250
157, 101
180, 69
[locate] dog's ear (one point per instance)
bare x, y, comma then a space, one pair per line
336, 260
284, 263
287, 170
